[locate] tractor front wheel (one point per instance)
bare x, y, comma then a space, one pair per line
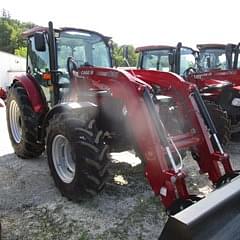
77, 155
22, 123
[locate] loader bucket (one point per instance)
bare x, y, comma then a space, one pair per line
216, 217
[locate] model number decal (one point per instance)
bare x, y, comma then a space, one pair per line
110, 74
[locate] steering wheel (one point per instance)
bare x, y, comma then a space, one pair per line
189, 71
71, 66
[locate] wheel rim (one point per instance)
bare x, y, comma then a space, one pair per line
15, 121
62, 158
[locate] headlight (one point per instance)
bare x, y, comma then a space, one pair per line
236, 102
124, 110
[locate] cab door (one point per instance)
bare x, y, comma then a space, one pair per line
38, 66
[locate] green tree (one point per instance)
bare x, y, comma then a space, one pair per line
11, 33
21, 51
6, 38
118, 55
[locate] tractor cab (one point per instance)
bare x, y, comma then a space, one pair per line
156, 58
215, 56
52, 56
185, 58
166, 58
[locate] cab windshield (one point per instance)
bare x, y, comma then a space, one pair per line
212, 58
156, 60
187, 59
85, 48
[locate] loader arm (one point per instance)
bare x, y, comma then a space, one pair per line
131, 90
135, 91
188, 98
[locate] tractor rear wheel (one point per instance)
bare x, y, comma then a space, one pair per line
77, 155
22, 123
221, 122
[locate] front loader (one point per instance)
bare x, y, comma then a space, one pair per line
74, 103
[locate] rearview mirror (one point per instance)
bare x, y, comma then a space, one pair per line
39, 42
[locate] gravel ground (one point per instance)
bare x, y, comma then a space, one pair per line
32, 208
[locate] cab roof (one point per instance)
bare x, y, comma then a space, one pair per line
153, 47
36, 29
211, 45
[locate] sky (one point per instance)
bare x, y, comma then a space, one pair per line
142, 22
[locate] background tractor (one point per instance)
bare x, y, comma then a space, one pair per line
220, 95
219, 62
74, 103
212, 57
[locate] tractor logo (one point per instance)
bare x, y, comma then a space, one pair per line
86, 72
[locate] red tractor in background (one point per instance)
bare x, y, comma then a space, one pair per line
219, 92
214, 57
219, 62
74, 103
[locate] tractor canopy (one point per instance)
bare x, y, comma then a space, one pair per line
53, 52
84, 46
216, 56
166, 58
156, 57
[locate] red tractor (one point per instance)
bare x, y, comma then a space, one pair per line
215, 72
220, 95
74, 103
214, 57
219, 62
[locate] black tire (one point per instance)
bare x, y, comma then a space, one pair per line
221, 121
23, 131
88, 151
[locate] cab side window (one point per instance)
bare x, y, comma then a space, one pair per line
38, 62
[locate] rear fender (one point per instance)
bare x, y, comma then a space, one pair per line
34, 92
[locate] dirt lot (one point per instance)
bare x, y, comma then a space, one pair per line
32, 208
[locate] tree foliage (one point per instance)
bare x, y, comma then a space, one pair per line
21, 51
11, 33
11, 40
119, 58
